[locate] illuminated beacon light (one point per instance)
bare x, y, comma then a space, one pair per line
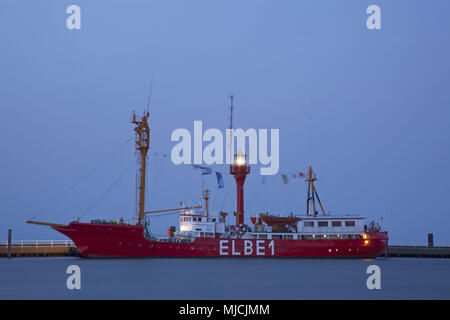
366, 242
240, 161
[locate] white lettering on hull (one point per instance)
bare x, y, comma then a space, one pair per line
249, 248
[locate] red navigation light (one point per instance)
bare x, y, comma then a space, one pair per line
366, 242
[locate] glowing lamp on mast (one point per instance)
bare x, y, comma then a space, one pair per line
240, 160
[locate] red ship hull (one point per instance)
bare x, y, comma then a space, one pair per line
109, 240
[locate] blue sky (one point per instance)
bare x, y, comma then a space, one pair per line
378, 100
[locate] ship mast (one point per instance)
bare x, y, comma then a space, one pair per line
312, 194
206, 197
231, 130
239, 169
142, 130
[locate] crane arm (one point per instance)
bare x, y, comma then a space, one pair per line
176, 209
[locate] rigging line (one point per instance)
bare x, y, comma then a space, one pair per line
147, 183
83, 178
176, 184
225, 198
136, 183
309, 139
109, 189
156, 151
154, 178
228, 146
257, 198
278, 198
293, 198
149, 96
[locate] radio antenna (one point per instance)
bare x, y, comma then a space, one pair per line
149, 97
231, 128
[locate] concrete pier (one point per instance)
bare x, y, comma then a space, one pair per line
9, 243
38, 248
417, 252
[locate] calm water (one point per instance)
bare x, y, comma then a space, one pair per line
45, 278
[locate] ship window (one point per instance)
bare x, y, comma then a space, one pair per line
308, 223
323, 223
336, 223
349, 223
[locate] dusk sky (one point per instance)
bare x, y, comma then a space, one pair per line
378, 103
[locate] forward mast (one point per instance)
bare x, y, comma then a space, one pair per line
142, 131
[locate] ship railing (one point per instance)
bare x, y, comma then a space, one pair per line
163, 238
39, 243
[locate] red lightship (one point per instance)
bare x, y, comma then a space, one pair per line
202, 233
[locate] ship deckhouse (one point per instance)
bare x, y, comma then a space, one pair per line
333, 225
201, 223
197, 224
308, 227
